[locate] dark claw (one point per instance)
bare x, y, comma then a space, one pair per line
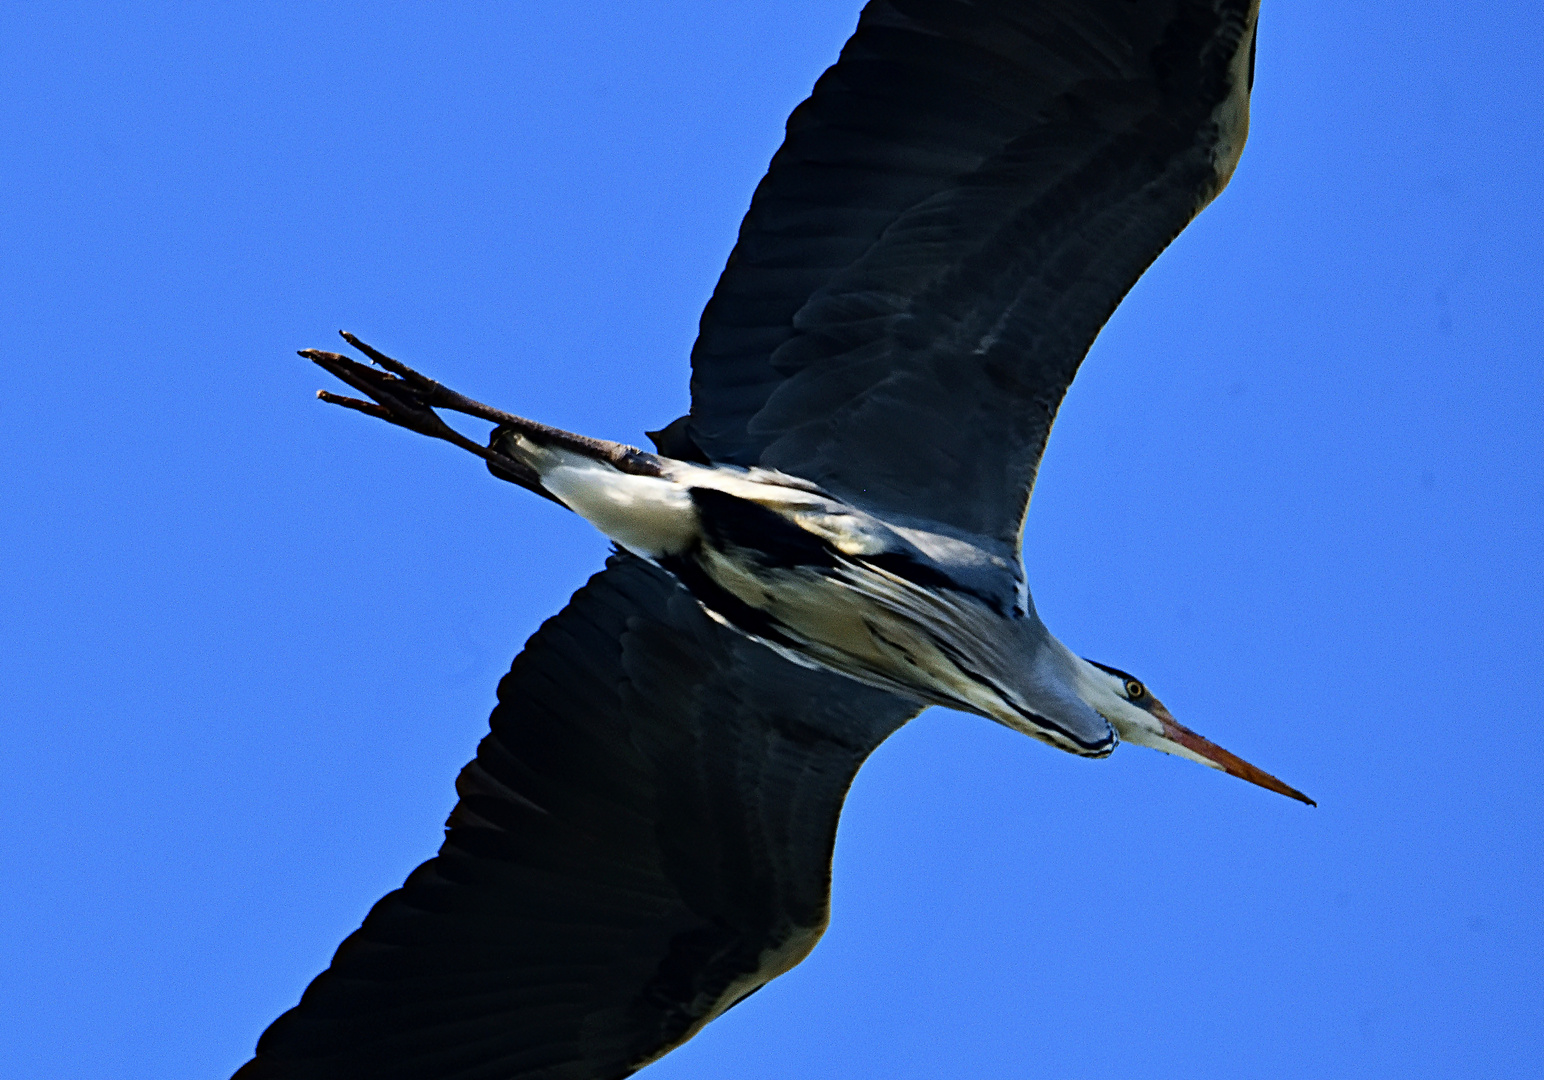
408, 399
403, 397
369, 408
396, 367
399, 401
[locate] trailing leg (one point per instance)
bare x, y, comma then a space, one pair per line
399, 395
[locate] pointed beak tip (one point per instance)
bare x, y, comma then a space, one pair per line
1229, 763
1293, 793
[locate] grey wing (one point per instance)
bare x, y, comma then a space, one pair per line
954, 214
645, 834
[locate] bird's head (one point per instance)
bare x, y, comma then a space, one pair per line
1140, 718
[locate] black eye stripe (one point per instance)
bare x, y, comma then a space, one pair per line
1129, 683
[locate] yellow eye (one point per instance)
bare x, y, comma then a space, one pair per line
1134, 689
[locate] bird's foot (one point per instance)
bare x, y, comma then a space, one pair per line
399, 395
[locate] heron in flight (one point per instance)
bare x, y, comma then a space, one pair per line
825, 545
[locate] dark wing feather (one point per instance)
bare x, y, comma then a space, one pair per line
953, 216
654, 809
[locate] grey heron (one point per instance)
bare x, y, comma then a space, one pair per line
825, 545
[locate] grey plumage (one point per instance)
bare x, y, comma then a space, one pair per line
645, 835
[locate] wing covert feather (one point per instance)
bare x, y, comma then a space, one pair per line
955, 212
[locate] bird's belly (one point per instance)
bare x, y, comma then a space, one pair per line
799, 574
853, 619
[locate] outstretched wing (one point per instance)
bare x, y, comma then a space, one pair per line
644, 837
956, 211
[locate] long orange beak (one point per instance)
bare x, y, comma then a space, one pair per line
1209, 753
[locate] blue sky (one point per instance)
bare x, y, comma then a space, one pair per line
246, 641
